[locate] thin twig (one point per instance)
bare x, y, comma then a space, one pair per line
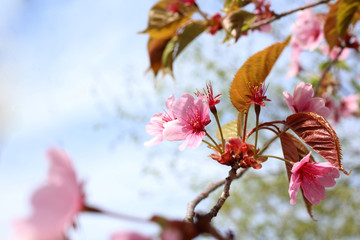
225, 194
278, 16
327, 69
212, 187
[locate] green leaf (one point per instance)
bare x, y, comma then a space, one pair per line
178, 43
253, 73
229, 130
345, 14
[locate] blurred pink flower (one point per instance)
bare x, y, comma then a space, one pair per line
295, 64
349, 105
303, 100
192, 117
128, 236
334, 52
307, 30
56, 204
156, 125
313, 178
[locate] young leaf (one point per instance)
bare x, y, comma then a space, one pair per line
177, 44
163, 23
230, 5
316, 132
237, 22
290, 146
330, 32
253, 73
229, 130
345, 14
155, 49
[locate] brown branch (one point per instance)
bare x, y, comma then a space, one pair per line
226, 192
327, 69
278, 16
203, 195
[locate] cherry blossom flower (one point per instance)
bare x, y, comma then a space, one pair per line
313, 178
214, 24
307, 30
349, 105
303, 100
238, 151
56, 204
128, 236
258, 95
334, 52
262, 12
192, 117
209, 94
174, 5
156, 125
295, 64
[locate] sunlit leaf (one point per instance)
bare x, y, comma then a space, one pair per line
178, 43
345, 14
237, 22
316, 132
253, 73
163, 23
229, 130
291, 146
331, 34
156, 48
231, 5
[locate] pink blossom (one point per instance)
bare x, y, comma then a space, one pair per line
192, 117
307, 30
295, 63
349, 105
335, 51
303, 100
209, 94
56, 204
313, 178
258, 95
262, 12
156, 125
128, 236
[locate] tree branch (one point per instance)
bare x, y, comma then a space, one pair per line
226, 192
203, 195
327, 69
278, 16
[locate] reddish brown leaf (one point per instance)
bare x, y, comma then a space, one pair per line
316, 132
156, 48
331, 34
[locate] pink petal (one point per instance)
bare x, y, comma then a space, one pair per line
297, 166
175, 131
313, 191
294, 186
303, 93
289, 101
192, 140
317, 105
128, 236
